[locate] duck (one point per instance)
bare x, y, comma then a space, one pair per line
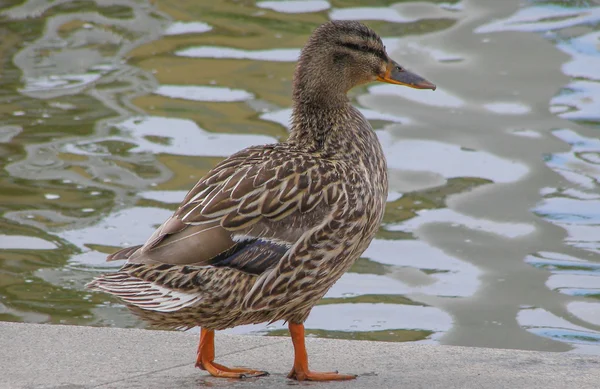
265, 234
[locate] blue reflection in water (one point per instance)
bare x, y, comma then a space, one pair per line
570, 210
580, 292
571, 336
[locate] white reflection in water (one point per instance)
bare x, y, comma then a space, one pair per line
393, 196
585, 60
276, 55
164, 196
449, 216
59, 85
183, 136
526, 133
203, 93
565, 282
370, 13
507, 108
178, 28
294, 6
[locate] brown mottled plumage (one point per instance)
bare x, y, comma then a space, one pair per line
269, 230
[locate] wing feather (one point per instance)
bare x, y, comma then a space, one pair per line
265, 189
259, 191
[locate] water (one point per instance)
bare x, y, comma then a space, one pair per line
110, 111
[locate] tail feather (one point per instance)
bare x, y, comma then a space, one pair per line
143, 294
123, 253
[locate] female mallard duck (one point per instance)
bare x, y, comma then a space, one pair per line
269, 230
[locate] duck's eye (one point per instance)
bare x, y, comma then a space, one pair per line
399, 68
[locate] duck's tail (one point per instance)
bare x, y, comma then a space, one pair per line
135, 285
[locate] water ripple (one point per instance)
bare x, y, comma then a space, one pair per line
186, 139
275, 55
295, 6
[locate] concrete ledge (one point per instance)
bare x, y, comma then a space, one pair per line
70, 357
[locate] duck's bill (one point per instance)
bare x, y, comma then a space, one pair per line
395, 74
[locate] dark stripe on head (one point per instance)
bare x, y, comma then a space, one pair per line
364, 48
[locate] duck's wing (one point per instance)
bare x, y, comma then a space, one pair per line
245, 213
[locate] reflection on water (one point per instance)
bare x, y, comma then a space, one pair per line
111, 111
277, 55
295, 6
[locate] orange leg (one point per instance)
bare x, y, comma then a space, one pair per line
300, 370
205, 360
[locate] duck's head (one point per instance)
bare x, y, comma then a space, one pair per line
340, 55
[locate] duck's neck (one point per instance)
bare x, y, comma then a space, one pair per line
320, 128
321, 109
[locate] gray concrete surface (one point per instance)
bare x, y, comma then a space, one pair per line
70, 357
